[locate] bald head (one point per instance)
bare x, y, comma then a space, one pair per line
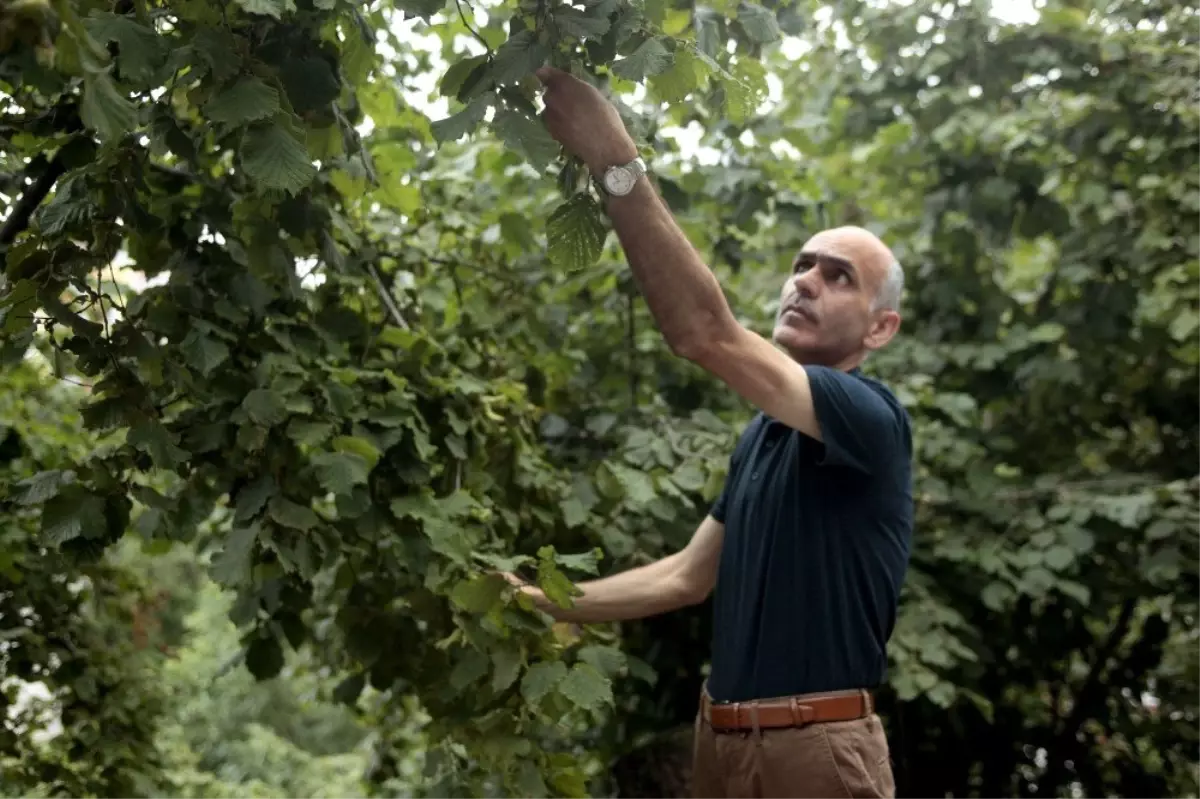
842, 298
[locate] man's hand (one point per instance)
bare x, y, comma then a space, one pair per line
583, 121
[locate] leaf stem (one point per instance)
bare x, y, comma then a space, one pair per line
459, 5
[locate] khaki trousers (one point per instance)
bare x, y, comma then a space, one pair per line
847, 759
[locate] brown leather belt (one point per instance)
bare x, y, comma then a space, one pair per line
787, 711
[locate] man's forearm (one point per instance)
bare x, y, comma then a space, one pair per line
683, 294
635, 594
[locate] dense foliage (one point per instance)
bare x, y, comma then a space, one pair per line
381, 353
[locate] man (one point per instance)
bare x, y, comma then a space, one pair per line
808, 544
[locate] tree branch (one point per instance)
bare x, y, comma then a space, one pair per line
1059, 750
31, 198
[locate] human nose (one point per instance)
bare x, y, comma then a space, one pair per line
805, 284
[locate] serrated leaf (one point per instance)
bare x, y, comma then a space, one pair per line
688, 73
140, 50
264, 658
517, 57
580, 24
73, 512
274, 158
575, 233
349, 689
159, 443
586, 687
265, 407
253, 498
268, 8
651, 58
456, 75
708, 31
44, 485
745, 89
608, 660
478, 594
455, 126
339, 472
231, 568
526, 136
310, 83
758, 22
360, 447
574, 514
202, 352
472, 666
245, 101
105, 109
290, 514
587, 562
541, 679
506, 666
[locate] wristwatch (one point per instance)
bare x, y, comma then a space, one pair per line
617, 181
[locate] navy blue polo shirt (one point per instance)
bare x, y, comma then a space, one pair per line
817, 541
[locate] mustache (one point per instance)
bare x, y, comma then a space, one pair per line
801, 306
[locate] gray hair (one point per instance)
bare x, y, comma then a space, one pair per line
888, 296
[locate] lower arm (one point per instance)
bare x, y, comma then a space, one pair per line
683, 294
648, 590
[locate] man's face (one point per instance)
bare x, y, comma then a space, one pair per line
825, 314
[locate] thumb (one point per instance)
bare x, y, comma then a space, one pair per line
548, 75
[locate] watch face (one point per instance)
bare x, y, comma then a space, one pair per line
619, 180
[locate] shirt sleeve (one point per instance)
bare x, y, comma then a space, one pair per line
860, 428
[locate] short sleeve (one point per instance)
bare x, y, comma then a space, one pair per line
859, 425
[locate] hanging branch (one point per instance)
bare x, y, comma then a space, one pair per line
31, 198
381, 289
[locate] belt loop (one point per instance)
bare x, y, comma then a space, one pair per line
794, 706
866, 695
756, 729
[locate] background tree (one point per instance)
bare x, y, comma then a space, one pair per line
364, 374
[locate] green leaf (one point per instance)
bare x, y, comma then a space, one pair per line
203, 353
542, 678
575, 233
687, 74
44, 485
478, 594
310, 84
473, 665
587, 562
265, 407
253, 498
157, 442
516, 58
231, 568
574, 514
456, 76
141, 51
526, 136
275, 158
349, 689
291, 514
529, 780
608, 660
758, 23
355, 445
269, 8
651, 58
264, 657
245, 101
586, 687
455, 126
339, 472
105, 109
73, 512
506, 666
579, 24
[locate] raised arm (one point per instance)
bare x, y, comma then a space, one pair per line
684, 578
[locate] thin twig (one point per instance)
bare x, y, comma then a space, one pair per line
31, 198
470, 27
381, 288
